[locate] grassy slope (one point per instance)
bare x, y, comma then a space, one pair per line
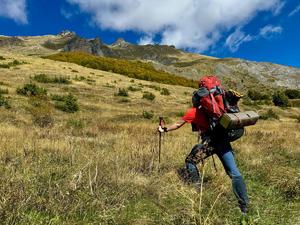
133, 69
99, 166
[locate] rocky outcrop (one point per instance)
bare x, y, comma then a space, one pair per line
92, 46
121, 43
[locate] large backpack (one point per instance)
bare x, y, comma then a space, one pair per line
209, 97
215, 101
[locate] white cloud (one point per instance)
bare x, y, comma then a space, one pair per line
269, 30
14, 9
147, 39
193, 24
235, 39
296, 10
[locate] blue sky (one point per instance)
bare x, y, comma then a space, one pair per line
259, 30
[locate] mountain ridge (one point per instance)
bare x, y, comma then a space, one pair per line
163, 57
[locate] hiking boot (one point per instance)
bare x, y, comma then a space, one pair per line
244, 209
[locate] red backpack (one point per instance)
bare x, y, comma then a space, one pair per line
209, 97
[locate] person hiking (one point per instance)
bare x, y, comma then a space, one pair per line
214, 141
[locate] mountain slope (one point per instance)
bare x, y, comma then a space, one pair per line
238, 73
100, 165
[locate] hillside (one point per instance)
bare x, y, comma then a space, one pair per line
99, 165
241, 74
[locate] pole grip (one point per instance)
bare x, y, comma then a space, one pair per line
161, 121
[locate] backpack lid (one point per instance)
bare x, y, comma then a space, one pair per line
209, 82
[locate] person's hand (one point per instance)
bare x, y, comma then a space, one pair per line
162, 129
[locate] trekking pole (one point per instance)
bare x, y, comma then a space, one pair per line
162, 124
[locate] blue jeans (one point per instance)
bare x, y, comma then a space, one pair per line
224, 152
238, 185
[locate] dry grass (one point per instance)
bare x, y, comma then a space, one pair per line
99, 165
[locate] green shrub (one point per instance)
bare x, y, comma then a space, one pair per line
292, 93
148, 115
149, 96
2, 58
31, 89
124, 100
5, 66
81, 78
11, 64
280, 99
67, 104
4, 102
270, 114
165, 91
16, 63
132, 88
157, 88
74, 71
256, 95
43, 78
122, 92
90, 81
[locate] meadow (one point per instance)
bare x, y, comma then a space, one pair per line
99, 165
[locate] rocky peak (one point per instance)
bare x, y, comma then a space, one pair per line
67, 34
92, 46
120, 43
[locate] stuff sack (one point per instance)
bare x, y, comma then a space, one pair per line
239, 120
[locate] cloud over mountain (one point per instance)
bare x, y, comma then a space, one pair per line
15, 10
193, 24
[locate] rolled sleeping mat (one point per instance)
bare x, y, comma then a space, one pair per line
239, 120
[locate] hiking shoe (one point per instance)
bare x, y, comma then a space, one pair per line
244, 209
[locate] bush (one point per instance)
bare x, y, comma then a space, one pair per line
132, 88
122, 92
5, 66
292, 93
81, 78
149, 96
280, 99
148, 115
42, 78
164, 91
157, 88
4, 102
255, 95
67, 103
31, 90
2, 58
270, 114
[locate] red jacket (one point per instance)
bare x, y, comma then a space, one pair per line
198, 118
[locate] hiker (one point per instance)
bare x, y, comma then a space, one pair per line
214, 141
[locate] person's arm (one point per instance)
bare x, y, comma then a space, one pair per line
174, 126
